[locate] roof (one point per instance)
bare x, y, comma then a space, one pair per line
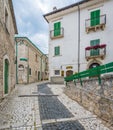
65, 8
13, 16
17, 37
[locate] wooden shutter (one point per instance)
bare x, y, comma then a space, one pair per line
95, 18
57, 27
57, 51
94, 52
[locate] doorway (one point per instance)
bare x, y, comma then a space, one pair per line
69, 72
6, 76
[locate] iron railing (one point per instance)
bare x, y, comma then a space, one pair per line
101, 51
59, 35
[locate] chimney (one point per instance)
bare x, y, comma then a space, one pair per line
54, 8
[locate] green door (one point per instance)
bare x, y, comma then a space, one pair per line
6, 76
95, 18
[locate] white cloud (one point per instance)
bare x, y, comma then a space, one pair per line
41, 41
30, 21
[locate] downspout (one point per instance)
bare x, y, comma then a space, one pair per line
16, 61
41, 68
28, 65
78, 38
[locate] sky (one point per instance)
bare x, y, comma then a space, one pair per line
30, 21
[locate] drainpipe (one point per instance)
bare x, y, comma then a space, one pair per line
78, 38
41, 68
28, 64
16, 61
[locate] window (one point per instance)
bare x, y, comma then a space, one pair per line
29, 71
95, 18
36, 58
57, 27
57, 72
94, 52
57, 51
6, 19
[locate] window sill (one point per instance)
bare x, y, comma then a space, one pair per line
57, 55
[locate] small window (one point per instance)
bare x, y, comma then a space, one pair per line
57, 72
57, 51
36, 58
29, 71
6, 19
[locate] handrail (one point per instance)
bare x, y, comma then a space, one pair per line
102, 20
52, 36
97, 71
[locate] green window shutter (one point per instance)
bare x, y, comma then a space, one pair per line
95, 18
57, 27
57, 51
94, 52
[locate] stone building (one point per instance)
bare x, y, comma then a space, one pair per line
7, 47
31, 65
80, 37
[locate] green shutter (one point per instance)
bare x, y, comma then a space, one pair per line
57, 51
57, 27
95, 18
94, 52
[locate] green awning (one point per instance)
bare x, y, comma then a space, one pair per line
23, 59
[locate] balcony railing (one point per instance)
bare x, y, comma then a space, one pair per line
100, 52
57, 33
99, 23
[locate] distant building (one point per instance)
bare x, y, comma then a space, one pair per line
31, 62
81, 37
7, 47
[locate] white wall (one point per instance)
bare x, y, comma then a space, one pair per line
105, 36
69, 43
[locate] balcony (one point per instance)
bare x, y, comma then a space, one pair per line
54, 34
98, 51
95, 24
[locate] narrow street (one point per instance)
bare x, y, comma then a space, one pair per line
45, 107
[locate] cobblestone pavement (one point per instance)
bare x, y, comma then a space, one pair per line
20, 112
61, 113
46, 106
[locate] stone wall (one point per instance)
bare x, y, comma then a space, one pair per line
7, 48
96, 98
57, 80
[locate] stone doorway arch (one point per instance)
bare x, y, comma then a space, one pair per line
69, 72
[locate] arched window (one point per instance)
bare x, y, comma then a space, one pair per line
21, 67
93, 65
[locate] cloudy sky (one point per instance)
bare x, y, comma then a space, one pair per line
30, 21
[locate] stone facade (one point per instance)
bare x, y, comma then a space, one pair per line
31, 62
7, 48
97, 99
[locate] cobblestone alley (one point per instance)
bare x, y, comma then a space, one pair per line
45, 107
